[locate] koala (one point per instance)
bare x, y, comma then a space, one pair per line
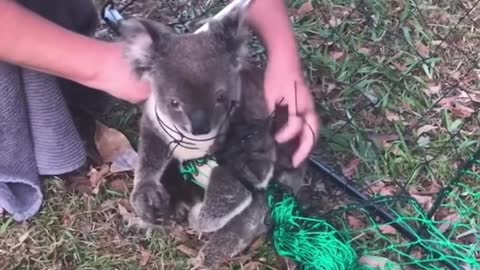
197, 87
206, 100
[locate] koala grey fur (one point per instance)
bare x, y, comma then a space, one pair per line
196, 78
195, 83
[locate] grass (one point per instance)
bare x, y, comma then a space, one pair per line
383, 74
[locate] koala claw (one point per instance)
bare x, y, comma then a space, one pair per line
151, 203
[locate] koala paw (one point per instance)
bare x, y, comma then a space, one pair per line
151, 203
209, 219
198, 222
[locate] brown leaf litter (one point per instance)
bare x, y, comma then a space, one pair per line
115, 148
305, 9
350, 169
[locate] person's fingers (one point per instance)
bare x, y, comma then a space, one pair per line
293, 126
313, 124
290, 130
307, 140
141, 91
304, 148
270, 103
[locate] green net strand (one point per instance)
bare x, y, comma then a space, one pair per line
313, 243
450, 239
190, 170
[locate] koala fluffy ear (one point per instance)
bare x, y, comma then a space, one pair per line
230, 27
144, 40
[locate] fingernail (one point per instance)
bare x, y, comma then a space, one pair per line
294, 163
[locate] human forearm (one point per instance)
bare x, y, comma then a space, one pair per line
269, 18
29, 40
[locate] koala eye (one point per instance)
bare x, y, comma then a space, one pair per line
221, 97
175, 104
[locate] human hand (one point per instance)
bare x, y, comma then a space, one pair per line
285, 86
117, 78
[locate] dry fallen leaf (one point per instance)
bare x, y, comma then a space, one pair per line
448, 221
68, 219
187, 251
364, 50
350, 169
392, 116
423, 50
425, 201
145, 256
179, 233
425, 129
118, 185
304, 9
334, 21
375, 187
257, 244
107, 205
475, 97
431, 188
24, 237
80, 184
355, 222
417, 253
456, 107
380, 140
461, 111
97, 177
114, 147
387, 229
400, 67
433, 89
252, 265
387, 191
471, 232
335, 55
379, 262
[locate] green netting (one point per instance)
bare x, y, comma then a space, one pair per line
412, 239
446, 237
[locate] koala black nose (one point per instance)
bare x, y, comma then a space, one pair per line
200, 122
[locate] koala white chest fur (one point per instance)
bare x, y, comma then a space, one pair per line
183, 145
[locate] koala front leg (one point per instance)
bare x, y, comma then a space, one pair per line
237, 235
250, 153
149, 198
225, 197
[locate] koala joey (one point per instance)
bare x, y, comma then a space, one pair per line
251, 154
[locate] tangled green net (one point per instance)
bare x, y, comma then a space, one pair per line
311, 242
330, 242
444, 235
